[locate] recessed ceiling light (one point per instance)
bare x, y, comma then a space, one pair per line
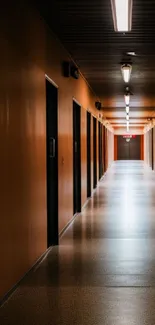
122, 15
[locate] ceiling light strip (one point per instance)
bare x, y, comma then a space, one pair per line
122, 15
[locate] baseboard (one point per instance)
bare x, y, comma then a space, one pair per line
73, 218
85, 204
43, 256
14, 288
68, 225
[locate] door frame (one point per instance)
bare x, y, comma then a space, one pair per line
94, 152
88, 154
51, 81
103, 148
77, 191
152, 149
100, 149
53, 236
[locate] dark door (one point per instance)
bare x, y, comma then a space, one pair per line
94, 154
76, 158
88, 154
103, 148
100, 149
128, 150
123, 149
135, 148
52, 163
152, 154
152, 149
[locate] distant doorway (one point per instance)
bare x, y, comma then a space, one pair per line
76, 158
129, 150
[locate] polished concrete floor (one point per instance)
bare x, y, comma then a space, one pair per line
103, 272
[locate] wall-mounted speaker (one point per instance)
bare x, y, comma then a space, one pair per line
70, 70
75, 72
98, 105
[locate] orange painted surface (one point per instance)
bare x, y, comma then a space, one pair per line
27, 54
142, 147
109, 148
25, 59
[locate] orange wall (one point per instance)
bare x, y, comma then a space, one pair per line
28, 52
109, 148
142, 147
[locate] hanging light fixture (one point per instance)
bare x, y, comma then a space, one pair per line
127, 117
122, 15
126, 72
127, 99
127, 109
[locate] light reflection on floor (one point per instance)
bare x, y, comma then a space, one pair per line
103, 272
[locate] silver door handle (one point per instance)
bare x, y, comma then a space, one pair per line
52, 147
75, 146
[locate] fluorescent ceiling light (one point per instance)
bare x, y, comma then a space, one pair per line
127, 99
127, 117
126, 72
127, 123
122, 15
127, 109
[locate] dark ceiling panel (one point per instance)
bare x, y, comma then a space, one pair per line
85, 27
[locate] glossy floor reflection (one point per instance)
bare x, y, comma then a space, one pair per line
103, 272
